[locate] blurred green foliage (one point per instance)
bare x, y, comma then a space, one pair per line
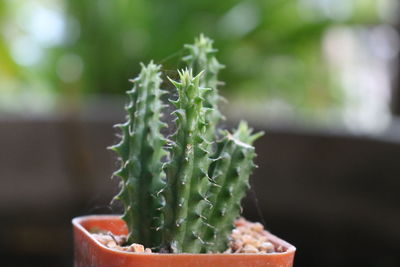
272, 49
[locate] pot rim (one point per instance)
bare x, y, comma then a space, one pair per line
77, 223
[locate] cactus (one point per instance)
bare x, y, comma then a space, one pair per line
182, 193
201, 57
187, 170
230, 170
141, 152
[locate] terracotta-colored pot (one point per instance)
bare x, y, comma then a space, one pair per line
91, 253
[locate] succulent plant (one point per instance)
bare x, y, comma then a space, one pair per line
182, 193
230, 171
201, 57
141, 150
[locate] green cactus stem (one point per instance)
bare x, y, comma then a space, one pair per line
230, 171
141, 152
201, 57
187, 181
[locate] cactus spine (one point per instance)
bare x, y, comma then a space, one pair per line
182, 193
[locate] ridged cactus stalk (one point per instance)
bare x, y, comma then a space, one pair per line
201, 57
230, 171
187, 170
141, 151
182, 193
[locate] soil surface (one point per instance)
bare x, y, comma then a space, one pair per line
246, 237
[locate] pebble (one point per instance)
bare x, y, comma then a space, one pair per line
136, 248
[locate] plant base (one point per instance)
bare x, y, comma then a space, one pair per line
89, 252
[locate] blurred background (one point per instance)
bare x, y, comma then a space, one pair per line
321, 77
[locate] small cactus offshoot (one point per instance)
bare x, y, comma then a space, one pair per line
182, 193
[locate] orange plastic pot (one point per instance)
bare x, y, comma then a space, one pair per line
91, 253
